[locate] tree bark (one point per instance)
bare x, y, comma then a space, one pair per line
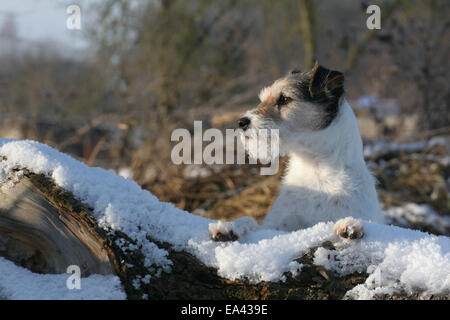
45, 229
47, 232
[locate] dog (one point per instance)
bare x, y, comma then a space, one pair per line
327, 178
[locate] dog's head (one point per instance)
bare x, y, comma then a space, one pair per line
299, 103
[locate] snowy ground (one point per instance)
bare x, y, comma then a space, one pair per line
415, 214
20, 283
397, 259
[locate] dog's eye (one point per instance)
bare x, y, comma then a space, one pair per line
282, 100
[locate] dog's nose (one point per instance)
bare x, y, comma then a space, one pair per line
244, 123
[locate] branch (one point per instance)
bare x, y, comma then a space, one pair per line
307, 14
358, 48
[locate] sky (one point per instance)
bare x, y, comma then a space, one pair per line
38, 20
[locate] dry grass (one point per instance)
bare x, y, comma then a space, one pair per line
232, 192
236, 191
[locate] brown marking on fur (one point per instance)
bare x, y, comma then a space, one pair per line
313, 71
268, 108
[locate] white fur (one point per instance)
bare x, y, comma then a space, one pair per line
327, 178
274, 90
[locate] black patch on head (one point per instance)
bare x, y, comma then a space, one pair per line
322, 87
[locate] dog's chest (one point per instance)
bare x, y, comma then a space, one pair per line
308, 176
311, 193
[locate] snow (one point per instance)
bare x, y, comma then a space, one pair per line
406, 259
396, 259
127, 173
382, 147
196, 171
366, 101
412, 213
267, 255
382, 107
19, 283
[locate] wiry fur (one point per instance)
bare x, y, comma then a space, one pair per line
327, 178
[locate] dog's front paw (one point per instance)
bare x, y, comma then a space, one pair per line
349, 228
222, 231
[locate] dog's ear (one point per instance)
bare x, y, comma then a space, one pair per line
325, 81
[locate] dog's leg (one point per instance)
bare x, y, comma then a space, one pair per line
231, 230
349, 228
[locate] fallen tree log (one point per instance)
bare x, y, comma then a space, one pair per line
45, 229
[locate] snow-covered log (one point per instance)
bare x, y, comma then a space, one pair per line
55, 212
45, 229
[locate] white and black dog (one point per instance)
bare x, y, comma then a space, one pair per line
327, 178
